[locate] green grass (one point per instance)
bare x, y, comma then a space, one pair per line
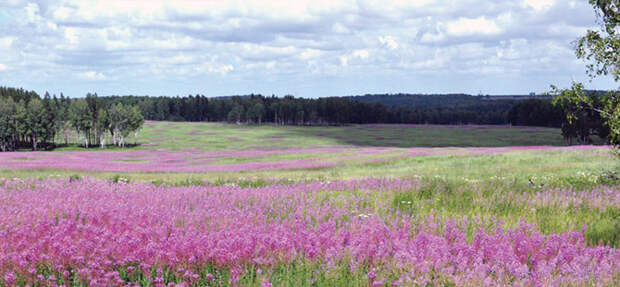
218, 136
544, 167
577, 168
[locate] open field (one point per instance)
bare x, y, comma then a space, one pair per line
173, 152
181, 136
202, 204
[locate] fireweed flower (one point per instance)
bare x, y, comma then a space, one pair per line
98, 229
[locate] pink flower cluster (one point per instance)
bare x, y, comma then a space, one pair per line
598, 197
158, 161
195, 161
498, 150
88, 230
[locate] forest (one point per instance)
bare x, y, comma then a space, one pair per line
289, 110
28, 120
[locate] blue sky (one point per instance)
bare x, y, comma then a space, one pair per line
309, 48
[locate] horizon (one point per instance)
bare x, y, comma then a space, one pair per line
296, 96
308, 49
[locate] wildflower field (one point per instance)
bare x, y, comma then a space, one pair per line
377, 205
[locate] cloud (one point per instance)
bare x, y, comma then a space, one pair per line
161, 47
6, 42
362, 54
540, 5
472, 26
357, 54
3, 67
91, 75
389, 42
221, 69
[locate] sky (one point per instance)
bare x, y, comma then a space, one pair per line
307, 48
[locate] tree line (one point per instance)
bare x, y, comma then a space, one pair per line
30, 121
453, 109
27, 120
289, 110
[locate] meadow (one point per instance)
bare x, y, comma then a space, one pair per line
207, 204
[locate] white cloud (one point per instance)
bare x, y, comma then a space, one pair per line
3, 67
222, 69
213, 67
389, 42
431, 38
357, 54
540, 5
32, 12
6, 42
472, 26
310, 54
91, 75
160, 41
71, 36
340, 29
362, 54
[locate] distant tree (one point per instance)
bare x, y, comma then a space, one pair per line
124, 120
62, 123
118, 121
135, 120
81, 120
94, 106
35, 125
234, 116
8, 125
48, 120
255, 113
102, 125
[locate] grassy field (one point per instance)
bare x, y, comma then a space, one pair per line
314, 206
394, 151
358, 151
216, 136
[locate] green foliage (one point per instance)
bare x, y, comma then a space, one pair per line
8, 124
289, 110
535, 112
584, 112
26, 120
606, 230
122, 121
589, 113
235, 114
79, 116
602, 47
255, 113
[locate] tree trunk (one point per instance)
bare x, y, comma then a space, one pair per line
85, 140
